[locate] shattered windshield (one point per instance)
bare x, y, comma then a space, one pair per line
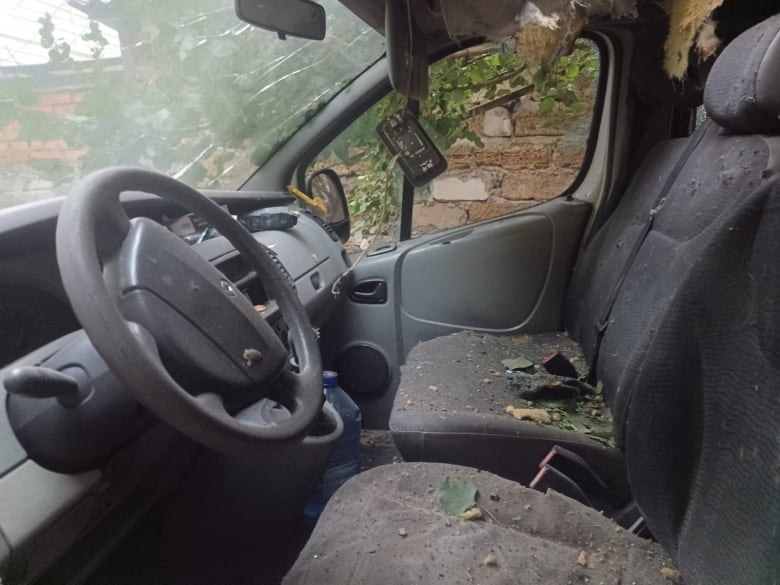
180, 86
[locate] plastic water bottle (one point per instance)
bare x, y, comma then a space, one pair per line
345, 457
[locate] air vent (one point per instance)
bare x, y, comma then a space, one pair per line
235, 268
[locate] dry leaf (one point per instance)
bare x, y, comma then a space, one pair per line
490, 560
582, 560
472, 514
539, 415
672, 575
251, 356
520, 339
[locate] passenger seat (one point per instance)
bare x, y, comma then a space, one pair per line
451, 405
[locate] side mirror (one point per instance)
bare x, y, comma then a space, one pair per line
326, 185
297, 18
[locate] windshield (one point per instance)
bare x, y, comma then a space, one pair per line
180, 86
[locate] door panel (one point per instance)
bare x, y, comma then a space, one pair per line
506, 275
485, 278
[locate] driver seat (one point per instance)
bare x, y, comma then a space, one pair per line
700, 431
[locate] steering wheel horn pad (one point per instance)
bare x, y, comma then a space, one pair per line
197, 316
141, 293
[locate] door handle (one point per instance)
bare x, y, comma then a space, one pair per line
370, 292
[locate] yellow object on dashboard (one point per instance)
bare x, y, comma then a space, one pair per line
315, 202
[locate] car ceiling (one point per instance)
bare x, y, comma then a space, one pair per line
702, 25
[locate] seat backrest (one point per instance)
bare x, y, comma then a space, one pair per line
717, 174
701, 423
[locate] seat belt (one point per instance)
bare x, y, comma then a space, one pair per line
603, 323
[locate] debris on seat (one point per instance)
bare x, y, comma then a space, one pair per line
517, 364
539, 387
563, 401
534, 414
472, 373
457, 496
558, 365
531, 537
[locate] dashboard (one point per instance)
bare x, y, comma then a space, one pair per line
52, 465
33, 303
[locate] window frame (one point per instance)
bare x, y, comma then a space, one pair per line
378, 91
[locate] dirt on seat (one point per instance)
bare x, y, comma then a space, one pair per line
470, 372
388, 526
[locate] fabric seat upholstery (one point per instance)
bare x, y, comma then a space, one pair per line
460, 402
533, 538
700, 434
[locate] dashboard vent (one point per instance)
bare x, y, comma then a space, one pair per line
235, 268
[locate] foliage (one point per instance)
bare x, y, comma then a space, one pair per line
200, 96
566, 82
59, 50
459, 87
195, 93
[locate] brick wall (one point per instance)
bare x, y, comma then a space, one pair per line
16, 150
20, 181
525, 158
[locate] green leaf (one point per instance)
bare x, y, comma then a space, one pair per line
546, 105
569, 98
456, 496
518, 363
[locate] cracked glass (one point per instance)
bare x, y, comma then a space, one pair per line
180, 86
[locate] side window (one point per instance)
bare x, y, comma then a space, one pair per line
512, 139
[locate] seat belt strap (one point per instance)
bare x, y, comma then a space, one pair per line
603, 323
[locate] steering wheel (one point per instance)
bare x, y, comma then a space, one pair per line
163, 318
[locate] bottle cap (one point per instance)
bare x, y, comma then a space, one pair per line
330, 378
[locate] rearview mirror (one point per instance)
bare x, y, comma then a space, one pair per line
297, 18
326, 185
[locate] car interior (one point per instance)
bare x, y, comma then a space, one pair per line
598, 365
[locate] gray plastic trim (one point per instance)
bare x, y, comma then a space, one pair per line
5, 556
515, 286
31, 497
489, 278
11, 452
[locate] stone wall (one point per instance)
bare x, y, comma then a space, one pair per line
525, 158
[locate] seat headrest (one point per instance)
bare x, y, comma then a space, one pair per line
743, 89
